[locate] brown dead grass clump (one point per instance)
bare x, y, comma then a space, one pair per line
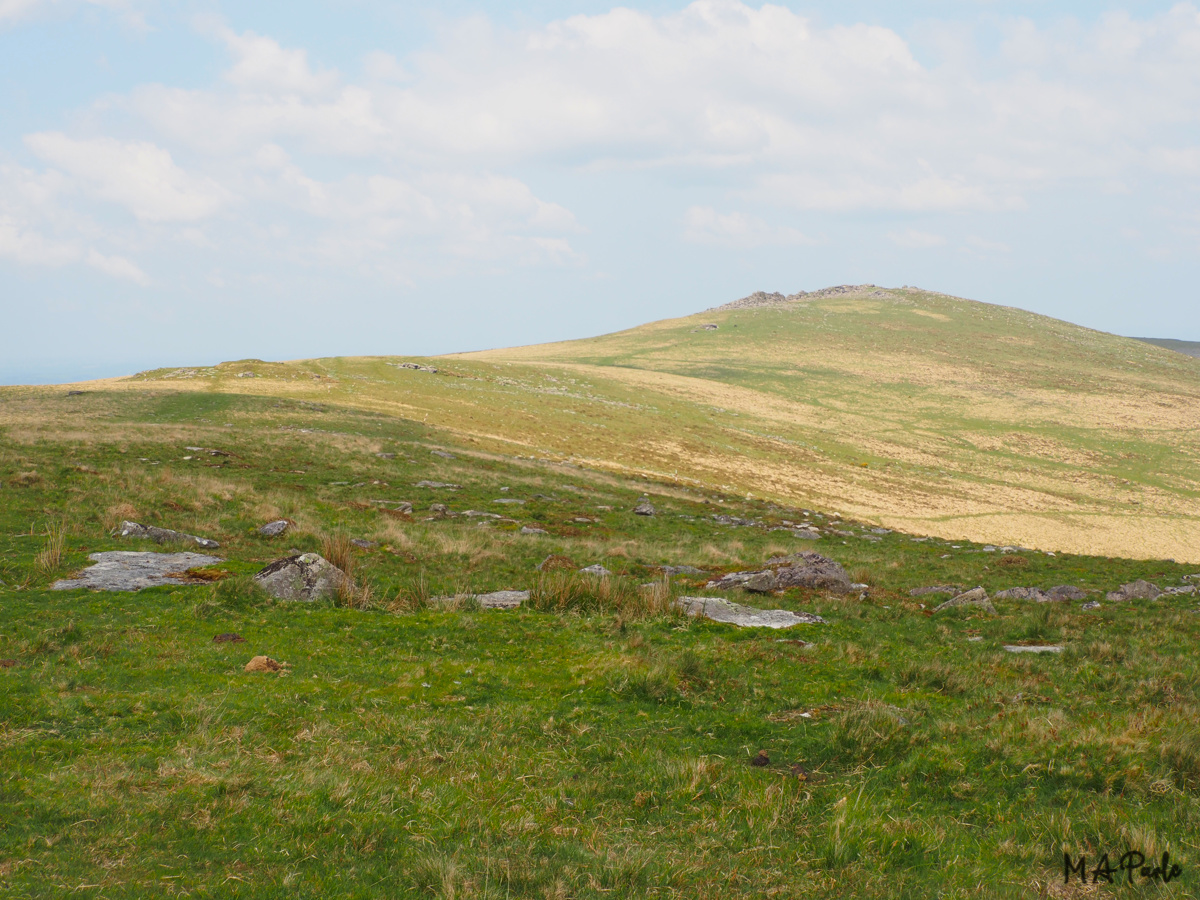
264, 664
572, 592
25, 479
338, 550
1012, 561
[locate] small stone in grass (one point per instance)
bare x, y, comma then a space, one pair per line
274, 529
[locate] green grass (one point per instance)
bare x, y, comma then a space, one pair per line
593, 744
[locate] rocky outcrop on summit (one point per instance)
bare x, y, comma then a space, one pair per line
763, 298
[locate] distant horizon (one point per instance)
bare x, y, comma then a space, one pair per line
97, 371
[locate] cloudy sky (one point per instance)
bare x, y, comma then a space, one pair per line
189, 182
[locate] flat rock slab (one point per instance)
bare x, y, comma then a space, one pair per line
129, 570
1039, 648
165, 535
976, 597
494, 600
744, 616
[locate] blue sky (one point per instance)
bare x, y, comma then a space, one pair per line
185, 183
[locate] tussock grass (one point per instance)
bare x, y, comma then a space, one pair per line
561, 592
50, 558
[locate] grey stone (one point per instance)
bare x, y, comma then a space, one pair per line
438, 485
480, 514
812, 570
510, 500
744, 616
402, 506
936, 589
881, 530
1135, 590
274, 529
386, 455
975, 597
165, 535
672, 571
125, 570
762, 583
443, 454
306, 577
807, 534
733, 580
1175, 591
502, 599
644, 508
1025, 593
526, 529
1040, 648
363, 543
1064, 592
723, 519
1091, 604
439, 510
598, 570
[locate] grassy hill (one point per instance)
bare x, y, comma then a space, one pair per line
596, 742
909, 409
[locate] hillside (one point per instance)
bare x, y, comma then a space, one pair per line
902, 737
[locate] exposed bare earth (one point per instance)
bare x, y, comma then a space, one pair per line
915, 410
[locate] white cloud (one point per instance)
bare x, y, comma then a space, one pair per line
262, 65
916, 240
704, 225
117, 267
18, 10
136, 174
24, 245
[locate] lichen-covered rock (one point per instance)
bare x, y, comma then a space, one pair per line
643, 508
744, 616
762, 583
812, 570
1135, 590
1026, 593
1064, 592
131, 570
976, 597
274, 529
165, 535
305, 578
598, 570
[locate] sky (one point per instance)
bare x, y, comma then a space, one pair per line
184, 183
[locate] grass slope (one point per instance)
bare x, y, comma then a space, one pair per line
590, 745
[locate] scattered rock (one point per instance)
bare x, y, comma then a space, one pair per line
761, 583
644, 508
126, 570
1064, 592
510, 500
264, 664
812, 570
400, 506
209, 450
762, 759
554, 562
439, 510
598, 570
164, 535
583, 520
807, 534
274, 529
744, 616
306, 578
363, 543
438, 485
480, 514
76, 393
672, 571
229, 638
722, 519
416, 367
1035, 648
527, 529
974, 597
502, 599
386, 455
936, 589
1091, 604
881, 531
1175, 591
1135, 590
443, 454
1025, 593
